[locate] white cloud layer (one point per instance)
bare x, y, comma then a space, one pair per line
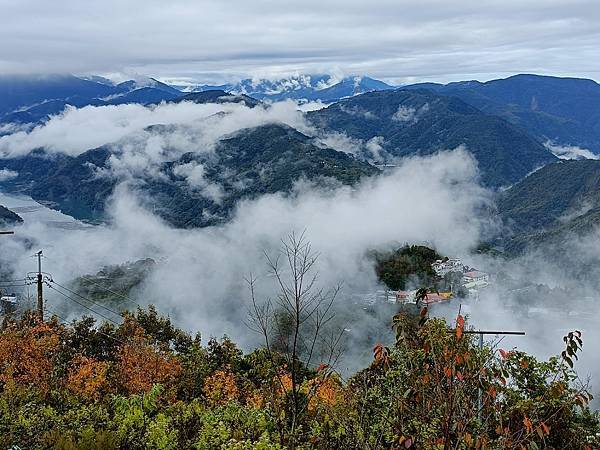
6, 174
570, 151
79, 129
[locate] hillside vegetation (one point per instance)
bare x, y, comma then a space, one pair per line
146, 384
553, 203
8, 217
563, 110
411, 263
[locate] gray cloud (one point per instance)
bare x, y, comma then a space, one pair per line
400, 41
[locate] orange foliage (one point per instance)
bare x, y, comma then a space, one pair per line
220, 388
328, 393
255, 400
285, 382
460, 326
26, 356
382, 355
87, 377
141, 365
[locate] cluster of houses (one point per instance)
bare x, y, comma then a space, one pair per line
472, 281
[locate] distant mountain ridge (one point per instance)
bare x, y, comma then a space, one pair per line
323, 88
421, 122
557, 201
561, 110
33, 99
217, 96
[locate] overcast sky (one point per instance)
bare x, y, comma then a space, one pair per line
210, 40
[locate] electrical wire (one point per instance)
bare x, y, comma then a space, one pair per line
81, 304
85, 298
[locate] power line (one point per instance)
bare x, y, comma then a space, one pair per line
87, 299
81, 304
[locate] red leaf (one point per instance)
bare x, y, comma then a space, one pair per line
460, 326
322, 367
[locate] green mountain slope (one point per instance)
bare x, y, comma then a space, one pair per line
252, 162
420, 122
559, 200
8, 217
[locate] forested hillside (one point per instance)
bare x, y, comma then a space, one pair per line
558, 201
422, 122
562, 110
406, 264
254, 161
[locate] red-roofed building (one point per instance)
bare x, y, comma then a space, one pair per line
431, 298
475, 276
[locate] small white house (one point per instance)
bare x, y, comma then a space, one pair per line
8, 303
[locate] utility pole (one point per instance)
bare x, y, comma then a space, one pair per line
495, 333
40, 300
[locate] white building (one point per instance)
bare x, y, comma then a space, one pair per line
441, 268
8, 303
475, 276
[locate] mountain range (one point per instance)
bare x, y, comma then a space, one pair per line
33, 99
421, 122
252, 162
322, 88
563, 111
506, 125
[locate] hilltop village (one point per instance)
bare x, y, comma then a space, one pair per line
456, 278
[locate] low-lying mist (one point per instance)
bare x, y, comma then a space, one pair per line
199, 278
